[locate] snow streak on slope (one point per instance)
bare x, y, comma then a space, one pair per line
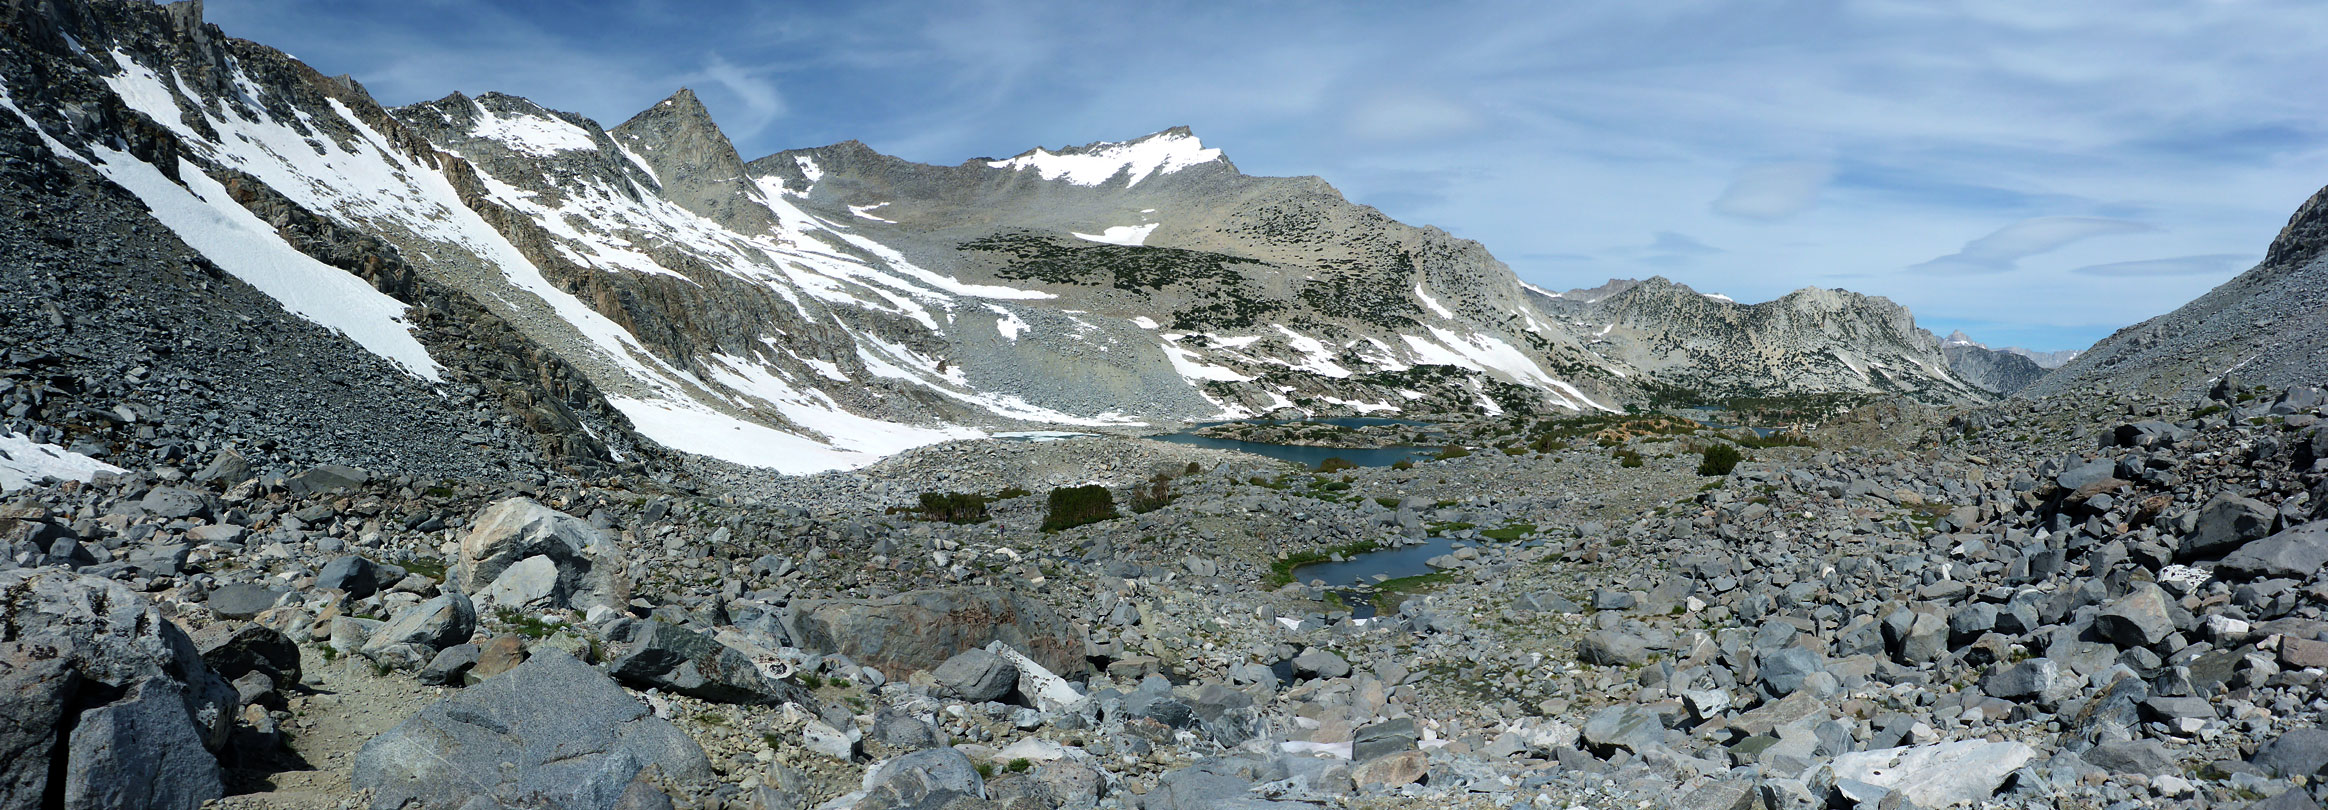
1129, 235
1136, 160
208, 220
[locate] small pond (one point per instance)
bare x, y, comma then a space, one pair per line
1307, 455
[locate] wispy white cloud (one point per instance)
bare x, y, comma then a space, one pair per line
2210, 264
753, 91
1774, 191
2001, 250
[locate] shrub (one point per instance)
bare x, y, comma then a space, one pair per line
953, 507
1192, 468
1453, 451
1151, 496
1076, 506
1012, 492
1628, 458
1335, 464
1719, 459
1402, 464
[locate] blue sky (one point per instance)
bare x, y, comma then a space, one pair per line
2037, 174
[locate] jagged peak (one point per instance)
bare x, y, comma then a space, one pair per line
1137, 159
678, 116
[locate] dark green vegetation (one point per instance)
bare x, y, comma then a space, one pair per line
1281, 571
1153, 495
1076, 506
1212, 277
953, 507
1720, 459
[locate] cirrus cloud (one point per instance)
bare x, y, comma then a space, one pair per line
2204, 265
2003, 249
1774, 191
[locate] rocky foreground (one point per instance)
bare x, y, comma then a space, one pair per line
2075, 602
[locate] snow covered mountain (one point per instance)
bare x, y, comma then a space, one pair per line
822, 308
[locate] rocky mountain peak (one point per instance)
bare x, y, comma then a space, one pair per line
694, 162
2305, 235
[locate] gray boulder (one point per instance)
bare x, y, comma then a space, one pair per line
659, 655
1614, 648
2029, 680
357, 576
2138, 619
326, 478
921, 629
433, 625
140, 751
241, 600
2132, 756
1783, 672
1628, 727
174, 503
1937, 775
929, 778
586, 563
2294, 552
552, 733
1319, 663
2299, 752
2226, 522
977, 676
228, 467
144, 713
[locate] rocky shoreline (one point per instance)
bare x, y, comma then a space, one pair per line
2071, 602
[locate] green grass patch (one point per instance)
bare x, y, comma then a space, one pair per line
1510, 532
1281, 571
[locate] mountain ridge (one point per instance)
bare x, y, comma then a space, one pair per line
831, 305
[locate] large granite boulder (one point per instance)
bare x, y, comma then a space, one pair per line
102, 700
919, 630
584, 565
552, 733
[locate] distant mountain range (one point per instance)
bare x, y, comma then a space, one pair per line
822, 308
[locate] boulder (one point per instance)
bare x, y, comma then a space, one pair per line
1613, 648
433, 625
104, 701
1318, 663
659, 655
2295, 552
551, 733
1627, 727
931, 778
587, 565
228, 467
140, 751
2033, 679
241, 600
2131, 756
2138, 619
235, 649
2299, 752
1937, 775
977, 676
2227, 522
921, 629
1783, 672
357, 576
326, 478
174, 503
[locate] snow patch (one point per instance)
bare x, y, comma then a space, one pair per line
1136, 160
1008, 323
24, 462
537, 135
208, 220
1129, 235
1144, 322
866, 212
1433, 303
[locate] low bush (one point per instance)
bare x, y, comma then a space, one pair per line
1719, 459
1076, 506
953, 507
1335, 464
